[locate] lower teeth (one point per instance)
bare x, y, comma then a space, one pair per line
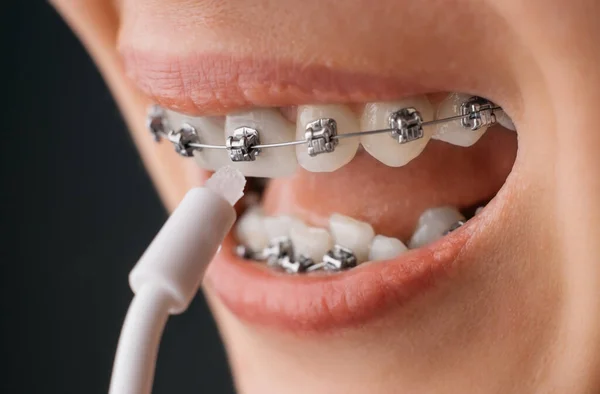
279, 255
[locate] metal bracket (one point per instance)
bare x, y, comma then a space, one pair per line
339, 258
292, 266
277, 249
454, 227
182, 139
478, 112
244, 252
156, 122
241, 145
406, 125
319, 136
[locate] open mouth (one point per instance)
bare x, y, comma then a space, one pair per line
334, 229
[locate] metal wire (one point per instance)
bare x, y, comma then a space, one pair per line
279, 144
336, 137
206, 146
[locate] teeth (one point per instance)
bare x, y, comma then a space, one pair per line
505, 120
255, 231
382, 146
453, 132
250, 229
432, 225
478, 210
310, 242
352, 234
385, 248
272, 128
347, 122
280, 226
210, 129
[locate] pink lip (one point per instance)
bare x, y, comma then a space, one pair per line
318, 303
215, 84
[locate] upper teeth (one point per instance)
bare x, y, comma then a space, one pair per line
329, 150
454, 132
346, 121
212, 133
274, 128
505, 121
376, 116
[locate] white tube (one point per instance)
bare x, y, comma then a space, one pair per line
133, 370
169, 273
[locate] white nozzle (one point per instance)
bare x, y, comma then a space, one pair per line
227, 182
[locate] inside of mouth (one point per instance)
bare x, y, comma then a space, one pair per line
368, 211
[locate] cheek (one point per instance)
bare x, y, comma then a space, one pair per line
96, 22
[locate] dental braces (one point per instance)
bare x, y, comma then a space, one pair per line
321, 136
279, 254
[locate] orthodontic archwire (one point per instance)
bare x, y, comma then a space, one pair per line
321, 136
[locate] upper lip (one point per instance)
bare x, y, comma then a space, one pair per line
214, 84
217, 63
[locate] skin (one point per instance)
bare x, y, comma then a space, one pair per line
521, 313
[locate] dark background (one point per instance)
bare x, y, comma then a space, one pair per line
77, 210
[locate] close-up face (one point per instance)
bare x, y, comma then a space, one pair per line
457, 250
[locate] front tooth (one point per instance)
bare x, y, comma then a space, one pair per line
280, 226
453, 131
272, 127
352, 234
210, 130
383, 146
250, 230
311, 242
385, 248
347, 122
504, 120
432, 225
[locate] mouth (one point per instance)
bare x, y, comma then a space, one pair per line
331, 239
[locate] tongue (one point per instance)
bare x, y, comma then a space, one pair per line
392, 199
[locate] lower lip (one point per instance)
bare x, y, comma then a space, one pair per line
326, 302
